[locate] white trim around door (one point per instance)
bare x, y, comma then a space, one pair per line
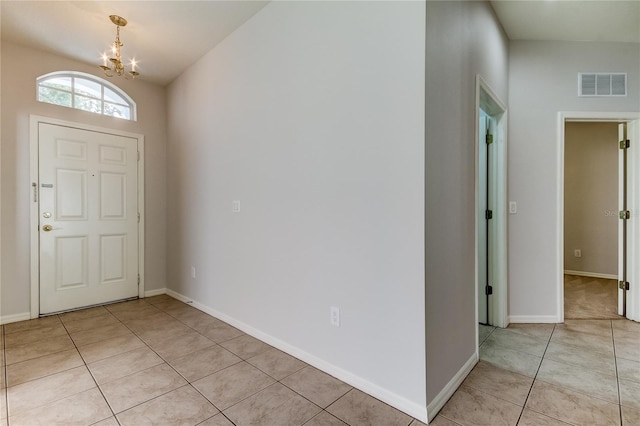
487, 100
34, 122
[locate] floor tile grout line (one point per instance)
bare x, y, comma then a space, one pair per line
586, 394
524, 405
227, 367
112, 313
615, 361
157, 354
187, 382
90, 373
590, 395
4, 373
247, 362
48, 375
451, 420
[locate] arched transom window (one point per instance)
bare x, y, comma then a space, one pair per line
86, 92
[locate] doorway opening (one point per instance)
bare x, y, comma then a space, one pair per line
626, 213
592, 189
491, 210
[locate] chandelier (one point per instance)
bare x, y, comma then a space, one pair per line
116, 67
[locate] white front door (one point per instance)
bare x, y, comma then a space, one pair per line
88, 217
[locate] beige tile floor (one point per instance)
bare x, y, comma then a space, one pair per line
158, 361
582, 372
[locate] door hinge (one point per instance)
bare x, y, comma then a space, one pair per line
138, 217
624, 214
623, 285
138, 280
488, 214
625, 144
489, 139
488, 290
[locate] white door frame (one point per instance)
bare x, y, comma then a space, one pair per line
633, 271
500, 314
34, 121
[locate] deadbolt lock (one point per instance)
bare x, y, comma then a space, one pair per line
47, 228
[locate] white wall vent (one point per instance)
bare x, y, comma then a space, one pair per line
602, 84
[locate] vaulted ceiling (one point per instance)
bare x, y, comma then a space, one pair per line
168, 36
165, 36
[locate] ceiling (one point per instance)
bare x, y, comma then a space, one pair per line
168, 36
570, 20
164, 36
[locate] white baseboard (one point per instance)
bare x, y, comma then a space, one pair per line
6, 319
411, 408
155, 292
180, 297
592, 274
434, 407
533, 319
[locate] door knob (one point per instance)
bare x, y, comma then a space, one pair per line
47, 228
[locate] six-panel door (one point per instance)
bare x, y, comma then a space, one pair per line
88, 217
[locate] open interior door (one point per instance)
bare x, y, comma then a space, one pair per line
631, 296
624, 216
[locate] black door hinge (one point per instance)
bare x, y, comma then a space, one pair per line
488, 214
488, 290
623, 285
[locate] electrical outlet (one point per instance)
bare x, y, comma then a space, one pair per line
193, 272
513, 207
335, 316
577, 253
235, 206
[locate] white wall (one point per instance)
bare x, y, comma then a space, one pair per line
463, 39
543, 81
20, 68
312, 115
